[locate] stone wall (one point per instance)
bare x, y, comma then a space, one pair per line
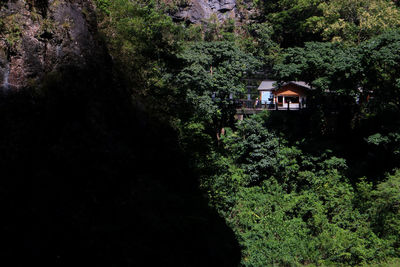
198, 11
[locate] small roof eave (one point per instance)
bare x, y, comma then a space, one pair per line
267, 85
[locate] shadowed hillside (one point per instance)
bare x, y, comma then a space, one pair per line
88, 178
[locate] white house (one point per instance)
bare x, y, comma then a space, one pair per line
291, 94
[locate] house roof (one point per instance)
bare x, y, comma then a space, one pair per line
301, 83
269, 85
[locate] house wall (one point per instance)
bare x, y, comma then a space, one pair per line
265, 97
290, 90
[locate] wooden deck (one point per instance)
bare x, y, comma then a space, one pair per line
254, 106
250, 107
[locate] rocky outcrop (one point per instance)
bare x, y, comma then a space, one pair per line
198, 11
39, 37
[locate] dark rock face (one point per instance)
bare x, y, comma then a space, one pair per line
44, 36
198, 11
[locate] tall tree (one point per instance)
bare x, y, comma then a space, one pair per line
212, 76
354, 21
289, 20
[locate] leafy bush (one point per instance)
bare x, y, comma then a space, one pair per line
289, 208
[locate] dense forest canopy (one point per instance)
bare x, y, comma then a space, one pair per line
154, 122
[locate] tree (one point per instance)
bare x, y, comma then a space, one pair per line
258, 41
211, 78
354, 21
289, 20
143, 42
361, 83
289, 207
254, 149
385, 211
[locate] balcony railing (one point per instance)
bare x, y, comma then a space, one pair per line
259, 105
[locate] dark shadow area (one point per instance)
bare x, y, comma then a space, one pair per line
40, 5
339, 130
88, 179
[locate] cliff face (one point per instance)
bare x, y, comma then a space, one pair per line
41, 36
197, 11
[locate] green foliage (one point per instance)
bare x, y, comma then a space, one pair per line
289, 20
291, 208
259, 42
212, 72
10, 30
268, 233
381, 66
223, 184
378, 139
318, 64
255, 149
373, 67
194, 33
361, 82
349, 21
142, 41
354, 21
385, 211
104, 6
194, 138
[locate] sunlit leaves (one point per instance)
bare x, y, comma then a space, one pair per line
354, 21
